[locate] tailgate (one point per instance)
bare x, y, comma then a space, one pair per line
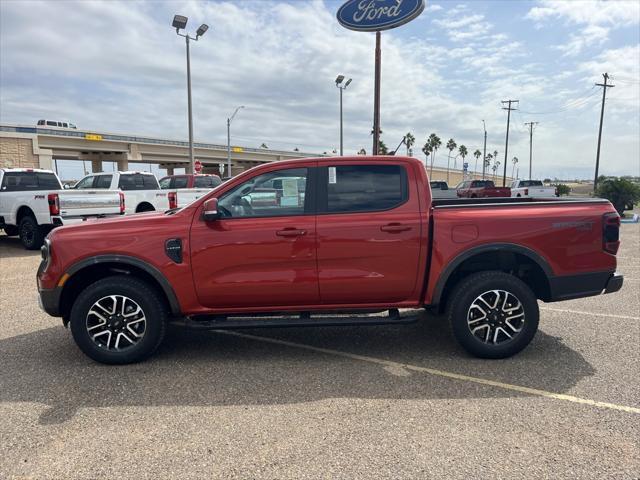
88, 203
498, 192
187, 195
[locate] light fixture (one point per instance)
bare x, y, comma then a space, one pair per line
201, 31
339, 79
179, 22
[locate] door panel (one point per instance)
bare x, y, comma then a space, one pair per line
368, 256
263, 253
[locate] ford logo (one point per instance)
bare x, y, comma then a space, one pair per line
374, 15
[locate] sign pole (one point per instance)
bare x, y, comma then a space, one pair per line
376, 98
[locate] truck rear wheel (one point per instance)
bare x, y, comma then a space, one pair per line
31, 234
493, 314
118, 320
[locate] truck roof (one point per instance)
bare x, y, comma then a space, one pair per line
126, 172
37, 170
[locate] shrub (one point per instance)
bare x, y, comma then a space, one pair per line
622, 193
563, 189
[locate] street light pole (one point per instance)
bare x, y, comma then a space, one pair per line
484, 154
180, 23
191, 168
229, 120
342, 87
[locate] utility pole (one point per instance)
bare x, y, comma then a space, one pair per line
506, 143
484, 152
531, 124
604, 93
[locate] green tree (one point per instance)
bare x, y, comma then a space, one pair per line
477, 154
426, 149
382, 148
451, 146
462, 151
487, 163
435, 142
562, 189
622, 193
409, 141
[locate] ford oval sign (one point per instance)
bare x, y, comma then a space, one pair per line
374, 15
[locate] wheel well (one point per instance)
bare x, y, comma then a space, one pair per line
92, 273
517, 264
144, 207
24, 211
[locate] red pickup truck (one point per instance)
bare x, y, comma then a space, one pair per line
347, 234
481, 189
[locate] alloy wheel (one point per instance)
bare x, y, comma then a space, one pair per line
496, 317
116, 323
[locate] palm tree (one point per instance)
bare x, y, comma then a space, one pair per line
435, 143
495, 167
264, 145
451, 146
382, 148
426, 149
487, 163
409, 141
514, 160
477, 154
462, 151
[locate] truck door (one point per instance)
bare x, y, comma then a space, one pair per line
369, 232
262, 253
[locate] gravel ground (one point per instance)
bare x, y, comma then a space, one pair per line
383, 401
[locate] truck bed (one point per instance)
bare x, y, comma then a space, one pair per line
505, 201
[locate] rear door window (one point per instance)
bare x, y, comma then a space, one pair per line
150, 182
207, 182
131, 182
363, 188
103, 181
180, 182
24, 181
48, 181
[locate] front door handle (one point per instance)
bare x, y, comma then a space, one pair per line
291, 232
395, 228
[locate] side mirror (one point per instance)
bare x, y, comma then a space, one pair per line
66, 186
211, 212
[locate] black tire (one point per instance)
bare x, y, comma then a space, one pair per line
145, 207
461, 311
11, 230
31, 234
153, 307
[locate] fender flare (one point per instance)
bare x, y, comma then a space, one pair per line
492, 247
157, 275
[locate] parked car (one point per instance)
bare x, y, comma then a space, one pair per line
141, 189
370, 237
32, 202
481, 189
184, 189
532, 188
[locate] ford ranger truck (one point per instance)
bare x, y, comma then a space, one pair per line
32, 202
364, 236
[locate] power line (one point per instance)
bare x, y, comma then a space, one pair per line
604, 94
575, 103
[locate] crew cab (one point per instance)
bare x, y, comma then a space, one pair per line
365, 236
532, 188
32, 202
481, 189
184, 189
141, 189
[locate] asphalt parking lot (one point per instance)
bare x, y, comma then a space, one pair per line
384, 401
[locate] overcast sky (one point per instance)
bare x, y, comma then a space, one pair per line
119, 67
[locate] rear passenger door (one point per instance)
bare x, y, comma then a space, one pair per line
369, 233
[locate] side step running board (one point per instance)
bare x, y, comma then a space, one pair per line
304, 319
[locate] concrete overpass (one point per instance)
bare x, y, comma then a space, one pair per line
37, 147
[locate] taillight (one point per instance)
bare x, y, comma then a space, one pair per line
173, 200
54, 204
121, 202
611, 232
526, 191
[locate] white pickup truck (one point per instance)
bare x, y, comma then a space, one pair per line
32, 202
186, 188
532, 188
141, 190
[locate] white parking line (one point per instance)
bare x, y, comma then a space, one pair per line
596, 314
401, 367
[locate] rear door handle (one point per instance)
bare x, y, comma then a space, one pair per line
291, 232
395, 228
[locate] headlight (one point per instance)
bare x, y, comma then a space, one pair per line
45, 253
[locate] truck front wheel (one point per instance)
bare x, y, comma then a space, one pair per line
118, 320
493, 314
31, 234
